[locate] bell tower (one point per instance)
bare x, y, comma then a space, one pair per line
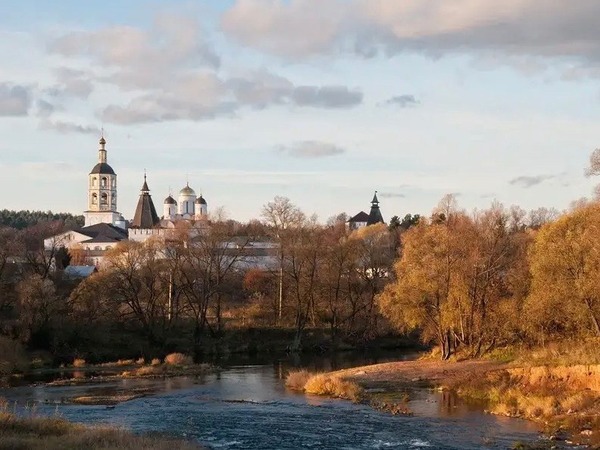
102, 191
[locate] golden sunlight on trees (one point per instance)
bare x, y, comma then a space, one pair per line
565, 269
458, 279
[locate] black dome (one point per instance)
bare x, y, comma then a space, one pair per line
170, 201
103, 168
200, 201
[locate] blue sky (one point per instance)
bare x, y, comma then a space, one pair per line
322, 101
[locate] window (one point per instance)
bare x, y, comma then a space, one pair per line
103, 182
93, 181
104, 199
94, 199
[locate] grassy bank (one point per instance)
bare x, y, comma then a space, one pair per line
561, 397
557, 386
55, 433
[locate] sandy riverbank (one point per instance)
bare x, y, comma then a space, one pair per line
563, 399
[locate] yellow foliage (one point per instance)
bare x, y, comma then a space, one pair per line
565, 269
323, 384
178, 359
296, 380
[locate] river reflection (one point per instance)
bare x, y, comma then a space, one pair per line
248, 407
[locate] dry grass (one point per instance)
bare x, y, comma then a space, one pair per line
140, 361
36, 433
331, 386
559, 396
79, 362
156, 362
324, 384
297, 380
178, 359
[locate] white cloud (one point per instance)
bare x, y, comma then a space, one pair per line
403, 101
520, 30
15, 100
311, 149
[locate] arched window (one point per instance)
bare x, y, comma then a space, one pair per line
104, 199
94, 181
94, 199
103, 182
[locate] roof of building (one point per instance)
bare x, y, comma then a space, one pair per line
375, 213
103, 169
100, 240
103, 230
200, 200
187, 190
360, 217
170, 201
145, 212
79, 271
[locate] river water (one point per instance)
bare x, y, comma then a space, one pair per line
248, 407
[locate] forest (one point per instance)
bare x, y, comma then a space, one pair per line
462, 282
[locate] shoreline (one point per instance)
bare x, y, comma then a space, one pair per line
499, 385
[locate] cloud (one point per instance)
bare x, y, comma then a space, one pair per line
44, 108
527, 181
403, 101
68, 127
15, 100
170, 72
516, 32
391, 195
311, 149
326, 96
71, 83
142, 58
204, 96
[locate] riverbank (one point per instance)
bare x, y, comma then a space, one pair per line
563, 399
39, 433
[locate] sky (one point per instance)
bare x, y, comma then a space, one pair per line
320, 101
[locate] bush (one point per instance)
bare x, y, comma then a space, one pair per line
322, 384
79, 362
178, 359
156, 362
12, 356
297, 380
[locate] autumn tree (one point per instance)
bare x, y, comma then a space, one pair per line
565, 268
39, 309
281, 217
137, 277
452, 281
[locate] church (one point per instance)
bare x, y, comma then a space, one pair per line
105, 226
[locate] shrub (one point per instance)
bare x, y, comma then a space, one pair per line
12, 356
322, 384
297, 380
140, 361
79, 362
156, 362
178, 359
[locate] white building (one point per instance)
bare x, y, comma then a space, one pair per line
102, 193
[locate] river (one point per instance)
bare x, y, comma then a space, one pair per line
248, 407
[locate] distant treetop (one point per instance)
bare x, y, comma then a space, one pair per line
25, 219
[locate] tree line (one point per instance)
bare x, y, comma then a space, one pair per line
24, 219
472, 282
463, 281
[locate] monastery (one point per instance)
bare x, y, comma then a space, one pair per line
105, 226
